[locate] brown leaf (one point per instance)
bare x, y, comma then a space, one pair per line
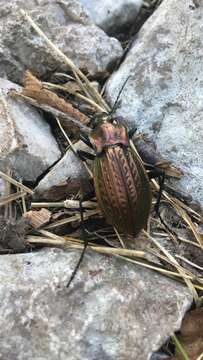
35, 89
37, 218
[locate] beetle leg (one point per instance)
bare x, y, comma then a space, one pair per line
160, 174
83, 155
131, 132
86, 140
84, 235
161, 178
87, 196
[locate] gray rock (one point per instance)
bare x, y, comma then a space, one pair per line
112, 310
68, 169
89, 47
112, 15
164, 95
66, 24
27, 145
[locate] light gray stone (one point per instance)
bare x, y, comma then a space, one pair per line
27, 145
70, 168
66, 24
112, 310
89, 47
164, 94
112, 15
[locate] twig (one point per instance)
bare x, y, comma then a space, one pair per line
69, 204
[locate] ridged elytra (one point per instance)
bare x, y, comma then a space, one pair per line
121, 183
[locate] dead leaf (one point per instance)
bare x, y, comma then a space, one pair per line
37, 218
35, 89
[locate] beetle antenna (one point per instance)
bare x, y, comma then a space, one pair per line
118, 97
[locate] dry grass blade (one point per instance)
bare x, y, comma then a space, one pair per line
8, 207
73, 149
183, 272
189, 242
76, 93
73, 219
16, 183
169, 261
189, 222
88, 88
51, 239
176, 204
10, 198
43, 240
200, 357
68, 204
180, 348
169, 273
189, 210
119, 238
189, 262
23, 204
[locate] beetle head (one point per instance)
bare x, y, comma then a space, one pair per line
101, 118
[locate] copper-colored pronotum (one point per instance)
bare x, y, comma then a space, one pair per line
121, 182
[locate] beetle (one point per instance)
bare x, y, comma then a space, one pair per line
121, 182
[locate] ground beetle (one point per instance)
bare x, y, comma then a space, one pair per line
120, 179
121, 182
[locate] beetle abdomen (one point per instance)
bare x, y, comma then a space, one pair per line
122, 189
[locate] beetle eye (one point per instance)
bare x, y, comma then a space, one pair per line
118, 119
